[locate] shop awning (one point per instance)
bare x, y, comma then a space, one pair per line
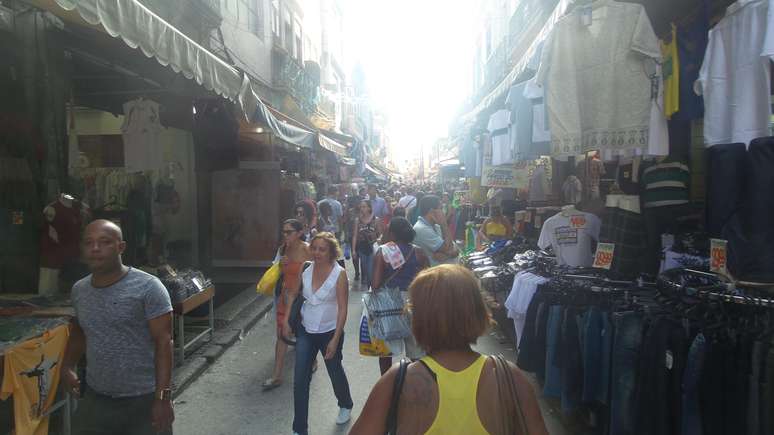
332, 145
140, 28
376, 172
284, 130
528, 61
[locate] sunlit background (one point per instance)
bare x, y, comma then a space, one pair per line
417, 57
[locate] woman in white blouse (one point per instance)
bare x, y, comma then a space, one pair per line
325, 288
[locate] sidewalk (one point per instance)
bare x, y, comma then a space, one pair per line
232, 321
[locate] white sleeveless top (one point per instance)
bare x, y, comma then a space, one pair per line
319, 312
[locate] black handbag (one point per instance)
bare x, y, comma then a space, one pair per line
294, 315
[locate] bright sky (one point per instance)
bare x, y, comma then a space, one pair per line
417, 57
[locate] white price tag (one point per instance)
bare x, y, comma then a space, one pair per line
719, 256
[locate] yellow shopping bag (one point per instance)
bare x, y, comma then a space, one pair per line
269, 280
370, 345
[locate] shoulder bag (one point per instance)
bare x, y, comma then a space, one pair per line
511, 414
392, 413
386, 310
294, 314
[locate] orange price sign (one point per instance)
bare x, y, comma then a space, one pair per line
578, 221
719, 256
603, 259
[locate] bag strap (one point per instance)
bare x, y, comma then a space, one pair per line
392, 414
512, 415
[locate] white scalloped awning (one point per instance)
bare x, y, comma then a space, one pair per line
140, 28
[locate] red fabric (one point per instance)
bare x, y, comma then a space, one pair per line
67, 223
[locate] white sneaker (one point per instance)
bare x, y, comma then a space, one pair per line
344, 415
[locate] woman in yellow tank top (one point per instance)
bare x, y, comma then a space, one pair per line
496, 227
453, 390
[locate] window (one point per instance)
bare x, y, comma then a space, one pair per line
275, 18
253, 9
297, 40
287, 32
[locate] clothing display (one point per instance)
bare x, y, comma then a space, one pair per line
570, 233
624, 225
671, 73
527, 124
525, 285
61, 232
31, 375
538, 185
599, 90
691, 45
140, 131
572, 190
665, 184
501, 145
735, 77
595, 169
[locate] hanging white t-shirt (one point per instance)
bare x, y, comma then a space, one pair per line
525, 285
735, 75
140, 131
596, 79
498, 128
768, 46
538, 185
570, 235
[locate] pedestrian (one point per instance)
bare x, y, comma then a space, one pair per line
123, 323
337, 210
433, 232
413, 211
325, 287
305, 213
496, 226
291, 255
399, 212
453, 390
377, 202
366, 230
396, 264
408, 200
353, 209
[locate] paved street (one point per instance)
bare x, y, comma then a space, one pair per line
227, 399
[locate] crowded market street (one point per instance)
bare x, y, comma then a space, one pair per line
231, 389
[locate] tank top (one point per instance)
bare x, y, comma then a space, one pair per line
407, 272
495, 229
291, 272
457, 394
366, 236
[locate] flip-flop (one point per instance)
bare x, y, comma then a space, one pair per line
270, 384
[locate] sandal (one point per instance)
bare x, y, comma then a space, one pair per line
270, 384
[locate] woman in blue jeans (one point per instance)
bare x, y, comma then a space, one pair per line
365, 232
325, 288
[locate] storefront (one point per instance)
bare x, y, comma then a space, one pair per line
639, 255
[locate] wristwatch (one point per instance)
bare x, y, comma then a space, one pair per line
165, 394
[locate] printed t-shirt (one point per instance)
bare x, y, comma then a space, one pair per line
119, 347
140, 131
31, 374
570, 236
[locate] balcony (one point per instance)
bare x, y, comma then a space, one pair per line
299, 82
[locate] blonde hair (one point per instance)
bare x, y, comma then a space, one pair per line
448, 309
333, 245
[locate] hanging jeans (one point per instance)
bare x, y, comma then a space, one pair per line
307, 347
691, 416
626, 353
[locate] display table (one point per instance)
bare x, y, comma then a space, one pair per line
181, 309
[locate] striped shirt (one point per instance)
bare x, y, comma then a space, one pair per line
665, 184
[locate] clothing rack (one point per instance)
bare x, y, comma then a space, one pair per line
724, 290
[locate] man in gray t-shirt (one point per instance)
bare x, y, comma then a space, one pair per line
123, 324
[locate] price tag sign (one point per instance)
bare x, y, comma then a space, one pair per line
198, 284
719, 256
578, 221
603, 259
